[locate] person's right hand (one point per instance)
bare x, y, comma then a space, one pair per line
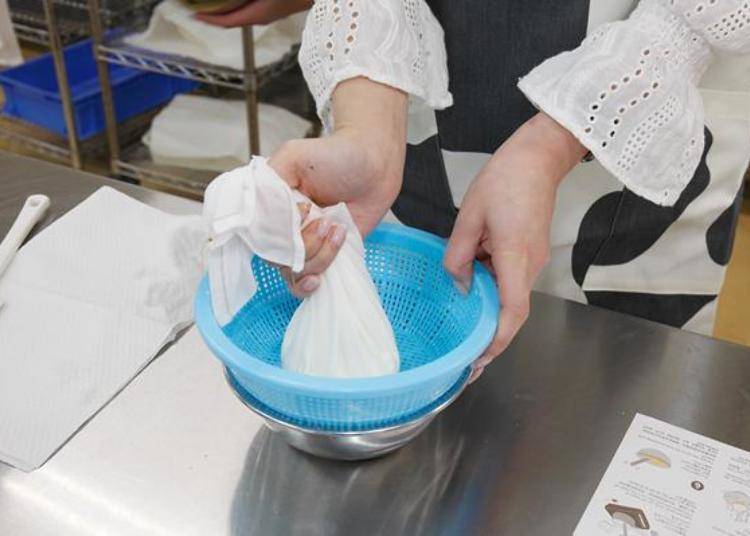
329, 170
255, 12
360, 164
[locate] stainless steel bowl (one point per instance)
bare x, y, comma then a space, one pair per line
349, 445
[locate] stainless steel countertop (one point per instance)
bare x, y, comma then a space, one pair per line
520, 453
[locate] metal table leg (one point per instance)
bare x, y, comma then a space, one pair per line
55, 43
97, 36
251, 88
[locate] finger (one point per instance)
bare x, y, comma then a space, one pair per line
475, 374
514, 292
304, 211
484, 257
304, 283
331, 244
286, 274
487, 263
305, 286
299, 285
462, 248
314, 237
483, 254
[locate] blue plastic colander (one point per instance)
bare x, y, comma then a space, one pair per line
439, 333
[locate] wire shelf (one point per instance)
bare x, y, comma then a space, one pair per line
68, 21
33, 139
45, 143
113, 9
136, 163
120, 53
32, 28
30, 23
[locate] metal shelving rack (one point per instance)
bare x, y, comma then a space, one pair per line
31, 27
135, 162
45, 27
48, 32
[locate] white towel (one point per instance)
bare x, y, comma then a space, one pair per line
341, 330
248, 210
206, 133
89, 302
173, 29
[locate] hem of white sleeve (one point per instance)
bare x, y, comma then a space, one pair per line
544, 105
437, 102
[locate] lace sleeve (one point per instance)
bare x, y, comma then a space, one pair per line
629, 92
394, 42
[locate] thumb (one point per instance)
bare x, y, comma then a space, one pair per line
462, 249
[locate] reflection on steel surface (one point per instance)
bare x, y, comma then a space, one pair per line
280, 488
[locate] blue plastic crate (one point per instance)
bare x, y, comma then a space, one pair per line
32, 93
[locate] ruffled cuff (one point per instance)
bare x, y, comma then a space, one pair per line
394, 42
629, 94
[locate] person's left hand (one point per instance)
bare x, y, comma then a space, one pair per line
505, 218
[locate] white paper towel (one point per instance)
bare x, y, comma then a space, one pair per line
206, 133
88, 303
173, 29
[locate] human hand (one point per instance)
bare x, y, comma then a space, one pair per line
505, 217
360, 163
255, 12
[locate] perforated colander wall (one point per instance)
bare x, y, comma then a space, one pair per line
430, 318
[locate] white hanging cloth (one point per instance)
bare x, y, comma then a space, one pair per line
206, 133
10, 52
173, 29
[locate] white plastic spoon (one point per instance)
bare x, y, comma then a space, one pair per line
32, 211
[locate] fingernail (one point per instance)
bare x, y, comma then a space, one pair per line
310, 283
304, 210
339, 234
475, 374
484, 360
323, 227
462, 287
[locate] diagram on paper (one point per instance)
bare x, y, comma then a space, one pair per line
667, 481
652, 457
738, 504
625, 520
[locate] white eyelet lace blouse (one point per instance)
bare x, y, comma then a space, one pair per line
628, 93
394, 42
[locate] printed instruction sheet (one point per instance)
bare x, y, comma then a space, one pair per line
666, 481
